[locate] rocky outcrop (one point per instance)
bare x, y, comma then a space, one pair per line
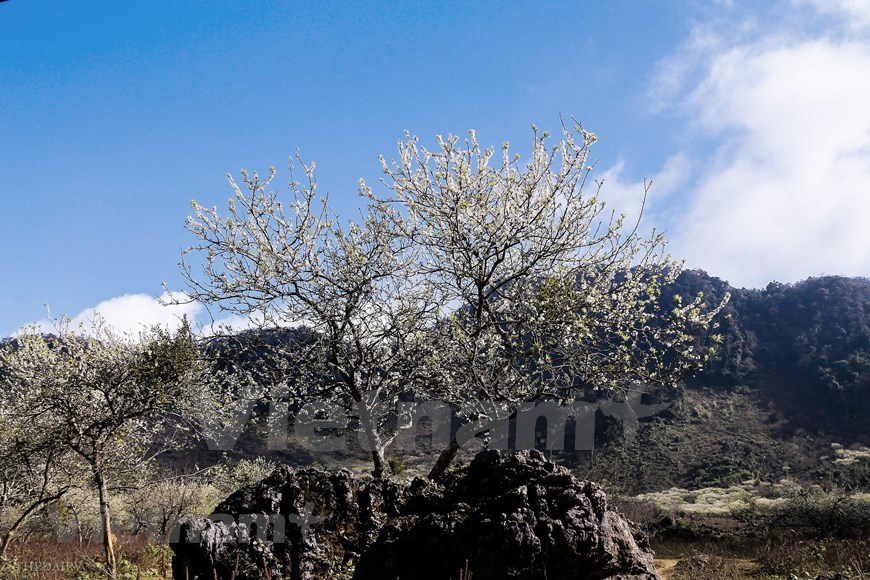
508, 516
301, 524
504, 516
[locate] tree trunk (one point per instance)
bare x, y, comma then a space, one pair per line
379, 461
7, 539
369, 425
13, 529
449, 453
444, 460
106, 519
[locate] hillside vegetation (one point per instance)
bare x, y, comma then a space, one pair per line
758, 464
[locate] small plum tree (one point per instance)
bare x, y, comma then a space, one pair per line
99, 397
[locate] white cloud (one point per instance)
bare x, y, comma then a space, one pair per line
855, 14
672, 73
786, 193
623, 195
131, 313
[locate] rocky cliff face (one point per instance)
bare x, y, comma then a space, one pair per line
504, 516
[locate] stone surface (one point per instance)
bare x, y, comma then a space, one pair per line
508, 516
301, 524
504, 516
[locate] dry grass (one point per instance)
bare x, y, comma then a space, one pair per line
701, 566
776, 558
40, 560
50, 560
802, 557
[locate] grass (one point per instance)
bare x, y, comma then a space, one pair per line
754, 530
51, 560
783, 557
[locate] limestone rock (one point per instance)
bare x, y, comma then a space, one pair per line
504, 516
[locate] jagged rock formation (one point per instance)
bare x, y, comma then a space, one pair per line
509, 516
294, 524
504, 516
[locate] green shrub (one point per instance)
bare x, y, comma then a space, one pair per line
397, 466
825, 513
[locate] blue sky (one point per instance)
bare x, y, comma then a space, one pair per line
750, 117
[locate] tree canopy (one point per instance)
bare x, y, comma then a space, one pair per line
472, 280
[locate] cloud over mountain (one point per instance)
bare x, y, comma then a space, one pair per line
786, 192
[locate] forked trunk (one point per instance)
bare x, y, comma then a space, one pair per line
369, 425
